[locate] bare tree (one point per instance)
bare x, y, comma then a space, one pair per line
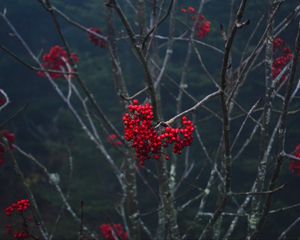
152, 31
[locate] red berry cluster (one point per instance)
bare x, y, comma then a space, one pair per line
294, 164
278, 43
10, 138
139, 129
20, 206
191, 10
2, 101
282, 56
114, 141
18, 234
182, 137
96, 40
147, 142
203, 26
57, 59
22, 235
113, 232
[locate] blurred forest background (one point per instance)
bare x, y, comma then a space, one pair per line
48, 131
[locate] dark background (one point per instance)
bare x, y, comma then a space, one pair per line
48, 131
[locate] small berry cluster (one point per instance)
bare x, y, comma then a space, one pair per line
18, 234
284, 56
58, 60
173, 135
20, 206
96, 40
203, 26
22, 235
113, 140
113, 232
191, 10
10, 138
9, 210
278, 43
147, 142
294, 164
2, 101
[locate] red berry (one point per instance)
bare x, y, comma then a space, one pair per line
57, 59
97, 41
147, 142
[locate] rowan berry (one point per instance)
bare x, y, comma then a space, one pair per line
148, 141
97, 41
113, 232
294, 164
57, 59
